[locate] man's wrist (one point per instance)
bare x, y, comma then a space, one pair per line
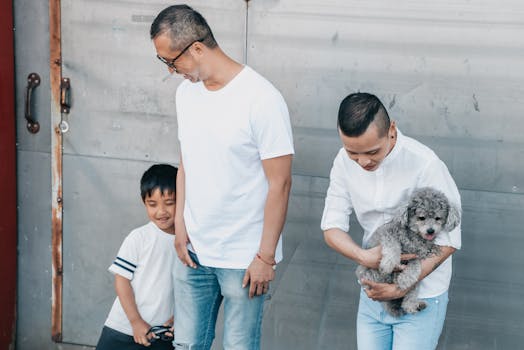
268, 261
360, 256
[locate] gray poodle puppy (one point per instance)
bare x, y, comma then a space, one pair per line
428, 213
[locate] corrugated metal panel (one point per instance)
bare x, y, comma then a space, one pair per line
451, 74
443, 69
33, 176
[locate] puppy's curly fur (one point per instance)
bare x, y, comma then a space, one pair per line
413, 231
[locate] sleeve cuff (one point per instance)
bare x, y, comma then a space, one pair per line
123, 267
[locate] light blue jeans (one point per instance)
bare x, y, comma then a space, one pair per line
377, 330
198, 295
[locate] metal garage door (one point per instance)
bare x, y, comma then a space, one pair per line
121, 121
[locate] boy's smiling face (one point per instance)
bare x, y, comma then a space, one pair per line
160, 208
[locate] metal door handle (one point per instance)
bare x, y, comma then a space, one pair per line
33, 80
65, 95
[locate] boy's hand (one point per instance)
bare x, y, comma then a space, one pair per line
140, 336
181, 241
259, 274
170, 323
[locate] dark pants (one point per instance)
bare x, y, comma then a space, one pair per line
114, 340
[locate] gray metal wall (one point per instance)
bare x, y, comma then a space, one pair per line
450, 73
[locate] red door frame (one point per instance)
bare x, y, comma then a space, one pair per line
8, 225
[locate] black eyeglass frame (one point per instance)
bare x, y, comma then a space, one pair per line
171, 63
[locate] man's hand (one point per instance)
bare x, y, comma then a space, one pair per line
382, 291
258, 274
140, 328
181, 241
370, 258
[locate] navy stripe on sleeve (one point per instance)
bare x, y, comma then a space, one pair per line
127, 262
122, 266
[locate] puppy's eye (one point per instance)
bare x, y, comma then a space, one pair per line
437, 218
421, 218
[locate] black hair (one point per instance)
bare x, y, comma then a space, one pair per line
358, 110
184, 26
161, 176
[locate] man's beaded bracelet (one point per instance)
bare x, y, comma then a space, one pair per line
273, 264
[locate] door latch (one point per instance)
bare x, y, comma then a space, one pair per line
65, 95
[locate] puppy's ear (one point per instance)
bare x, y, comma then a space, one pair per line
403, 216
453, 218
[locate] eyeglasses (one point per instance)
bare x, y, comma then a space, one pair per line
171, 63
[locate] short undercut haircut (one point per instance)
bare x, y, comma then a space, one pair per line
184, 26
161, 176
358, 110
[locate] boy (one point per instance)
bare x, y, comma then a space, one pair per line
143, 281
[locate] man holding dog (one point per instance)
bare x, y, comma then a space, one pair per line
373, 174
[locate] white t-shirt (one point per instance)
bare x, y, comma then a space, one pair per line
376, 196
224, 135
146, 258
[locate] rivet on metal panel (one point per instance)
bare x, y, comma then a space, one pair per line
59, 200
64, 126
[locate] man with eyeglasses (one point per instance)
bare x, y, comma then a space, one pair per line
233, 184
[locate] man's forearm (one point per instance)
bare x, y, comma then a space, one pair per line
278, 174
341, 242
430, 264
274, 217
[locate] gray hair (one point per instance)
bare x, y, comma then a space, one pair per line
184, 26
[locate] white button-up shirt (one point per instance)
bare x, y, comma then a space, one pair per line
376, 196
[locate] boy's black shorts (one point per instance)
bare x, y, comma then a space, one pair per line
114, 340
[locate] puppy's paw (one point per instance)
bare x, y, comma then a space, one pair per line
387, 266
414, 307
422, 305
394, 308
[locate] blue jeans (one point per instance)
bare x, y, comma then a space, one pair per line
377, 330
198, 295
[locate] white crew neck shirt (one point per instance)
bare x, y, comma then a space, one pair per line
145, 258
376, 196
224, 136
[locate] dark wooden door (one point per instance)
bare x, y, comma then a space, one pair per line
7, 178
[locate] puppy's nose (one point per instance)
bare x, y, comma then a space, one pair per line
430, 231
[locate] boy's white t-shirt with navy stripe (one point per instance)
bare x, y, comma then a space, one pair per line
145, 258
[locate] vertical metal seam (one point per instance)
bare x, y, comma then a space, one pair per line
246, 24
55, 75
